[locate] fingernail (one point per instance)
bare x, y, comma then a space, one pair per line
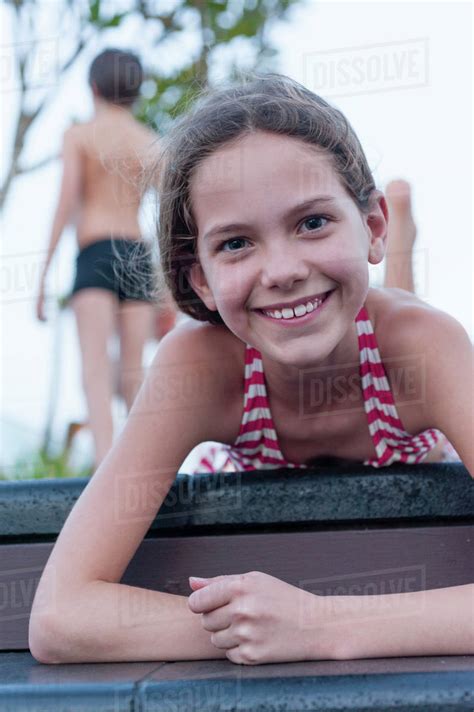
197, 578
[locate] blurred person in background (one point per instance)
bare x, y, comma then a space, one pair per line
399, 273
101, 190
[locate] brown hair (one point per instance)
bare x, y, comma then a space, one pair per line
263, 102
117, 76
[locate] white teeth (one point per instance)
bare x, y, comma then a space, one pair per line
289, 313
300, 310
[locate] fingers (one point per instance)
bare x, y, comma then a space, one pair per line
241, 655
40, 314
197, 583
225, 639
217, 593
235, 656
218, 619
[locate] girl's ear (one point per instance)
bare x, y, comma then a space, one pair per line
377, 222
199, 283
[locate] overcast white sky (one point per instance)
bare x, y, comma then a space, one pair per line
401, 72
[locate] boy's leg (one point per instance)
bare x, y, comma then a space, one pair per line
400, 237
135, 324
399, 272
95, 311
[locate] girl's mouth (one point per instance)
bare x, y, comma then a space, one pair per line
288, 317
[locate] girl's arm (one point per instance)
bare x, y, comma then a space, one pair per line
440, 372
81, 613
69, 192
256, 618
102, 621
435, 622
438, 621
299, 625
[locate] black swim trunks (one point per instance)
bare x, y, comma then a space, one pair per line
129, 275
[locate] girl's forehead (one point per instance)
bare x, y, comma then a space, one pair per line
263, 164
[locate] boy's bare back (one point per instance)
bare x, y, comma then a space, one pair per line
112, 150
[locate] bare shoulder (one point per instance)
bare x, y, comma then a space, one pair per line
79, 135
111, 133
148, 135
404, 322
136, 132
74, 134
72, 131
212, 362
81, 128
177, 407
423, 349
209, 341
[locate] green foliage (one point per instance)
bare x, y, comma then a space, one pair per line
97, 19
219, 23
172, 95
41, 465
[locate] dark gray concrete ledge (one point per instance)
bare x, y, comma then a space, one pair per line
403, 684
323, 495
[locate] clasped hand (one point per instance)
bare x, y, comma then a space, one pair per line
257, 618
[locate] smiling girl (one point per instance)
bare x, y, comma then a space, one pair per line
269, 217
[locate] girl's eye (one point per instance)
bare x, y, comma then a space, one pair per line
230, 241
314, 221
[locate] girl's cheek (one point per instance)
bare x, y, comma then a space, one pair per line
346, 259
233, 280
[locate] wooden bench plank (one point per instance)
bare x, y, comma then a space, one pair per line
348, 562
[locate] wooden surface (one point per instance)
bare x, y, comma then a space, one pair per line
347, 562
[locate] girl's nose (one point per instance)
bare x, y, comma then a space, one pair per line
282, 266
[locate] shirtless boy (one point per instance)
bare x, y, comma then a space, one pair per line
103, 163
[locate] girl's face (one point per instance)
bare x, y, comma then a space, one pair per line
276, 226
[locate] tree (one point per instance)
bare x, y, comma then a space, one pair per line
220, 27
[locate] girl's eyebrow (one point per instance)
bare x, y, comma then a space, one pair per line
231, 227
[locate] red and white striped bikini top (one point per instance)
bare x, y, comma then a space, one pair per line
256, 446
